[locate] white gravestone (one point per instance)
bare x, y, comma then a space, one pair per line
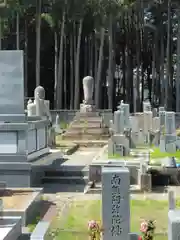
170, 123
125, 108
116, 121
162, 119
115, 203
121, 122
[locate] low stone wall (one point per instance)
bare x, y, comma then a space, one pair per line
95, 171
30, 211
66, 116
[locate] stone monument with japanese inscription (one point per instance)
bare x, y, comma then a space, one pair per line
115, 203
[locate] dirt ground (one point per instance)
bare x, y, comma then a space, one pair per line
15, 199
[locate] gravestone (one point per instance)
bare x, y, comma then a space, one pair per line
121, 122
126, 112
115, 203
119, 149
171, 200
173, 224
134, 123
162, 145
162, 120
117, 115
11, 86
110, 147
170, 123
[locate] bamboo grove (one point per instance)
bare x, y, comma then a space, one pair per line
131, 48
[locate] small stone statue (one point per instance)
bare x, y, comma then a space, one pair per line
40, 106
88, 88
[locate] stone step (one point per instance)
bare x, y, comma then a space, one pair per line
93, 143
87, 114
88, 120
66, 180
85, 136
94, 131
78, 125
67, 173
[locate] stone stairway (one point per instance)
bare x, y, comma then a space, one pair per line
67, 175
87, 126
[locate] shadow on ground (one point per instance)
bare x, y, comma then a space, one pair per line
64, 188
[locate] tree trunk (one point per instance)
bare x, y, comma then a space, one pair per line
17, 31
26, 58
168, 91
77, 80
98, 80
38, 41
59, 89
72, 70
55, 66
162, 69
65, 75
178, 67
1, 33
110, 75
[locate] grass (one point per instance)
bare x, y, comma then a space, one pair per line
158, 154
32, 226
82, 211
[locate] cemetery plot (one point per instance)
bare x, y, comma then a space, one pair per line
15, 199
80, 212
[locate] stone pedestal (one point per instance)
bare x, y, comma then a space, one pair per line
85, 108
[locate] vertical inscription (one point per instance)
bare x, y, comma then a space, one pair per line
116, 204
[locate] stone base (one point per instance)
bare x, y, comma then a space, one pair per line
15, 174
85, 108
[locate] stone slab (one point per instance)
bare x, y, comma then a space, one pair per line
11, 82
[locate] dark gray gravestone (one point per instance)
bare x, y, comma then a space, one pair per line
115, 203
11, 83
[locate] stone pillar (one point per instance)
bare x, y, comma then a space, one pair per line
171, 200
115, 203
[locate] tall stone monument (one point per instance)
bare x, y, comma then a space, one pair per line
88, 88
115, 203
